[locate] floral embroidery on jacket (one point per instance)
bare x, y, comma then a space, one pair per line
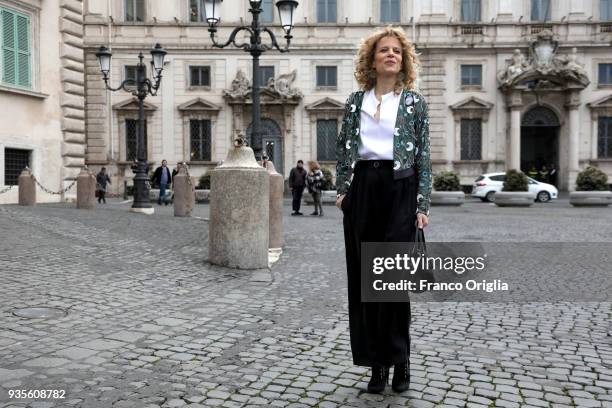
410, 145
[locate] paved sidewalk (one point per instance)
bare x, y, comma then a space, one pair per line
151, 324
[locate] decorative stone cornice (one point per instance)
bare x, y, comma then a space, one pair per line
325, 105
198, 105
131, 105
471, 108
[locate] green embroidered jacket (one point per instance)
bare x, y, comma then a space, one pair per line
410, 143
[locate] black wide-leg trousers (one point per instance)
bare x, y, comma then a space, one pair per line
377, 208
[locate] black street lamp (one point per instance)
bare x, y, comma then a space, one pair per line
143, 87
286, 9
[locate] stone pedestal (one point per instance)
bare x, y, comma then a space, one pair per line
27, 188
239, 212
184, 194
277, 187
86, 190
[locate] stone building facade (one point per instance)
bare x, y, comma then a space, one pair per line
509, 83
42, 95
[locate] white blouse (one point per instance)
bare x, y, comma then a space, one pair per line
377, 137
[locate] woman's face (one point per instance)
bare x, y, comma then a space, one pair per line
388, 57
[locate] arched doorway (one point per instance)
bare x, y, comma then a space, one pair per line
539, 139
271, 141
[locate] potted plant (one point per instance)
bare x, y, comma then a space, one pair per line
203, 188
447, 189
591, 189
515, 192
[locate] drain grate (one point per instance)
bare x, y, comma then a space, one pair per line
39, 312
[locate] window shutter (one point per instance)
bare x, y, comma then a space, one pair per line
23, 51
8, 48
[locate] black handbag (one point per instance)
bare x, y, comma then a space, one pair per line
419, 249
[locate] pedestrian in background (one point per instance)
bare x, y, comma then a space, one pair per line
314, 181
552, 175
101, 180
544, 174
297, 182
162, 177
383, 177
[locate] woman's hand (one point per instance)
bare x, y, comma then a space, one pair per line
339, 201
422, 220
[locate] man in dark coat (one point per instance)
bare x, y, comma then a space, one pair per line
162, 177
297, 182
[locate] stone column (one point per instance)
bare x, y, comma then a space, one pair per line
86, 189
513, 155
277, 186
184, 193
27, 188
239, 212
573, 165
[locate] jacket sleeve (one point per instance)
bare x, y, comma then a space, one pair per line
291, 178
423, 159
342, 153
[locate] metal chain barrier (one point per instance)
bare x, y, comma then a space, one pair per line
7, 188
46, 190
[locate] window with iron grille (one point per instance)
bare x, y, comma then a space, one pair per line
134, 10
327, 76
15, 160
131, 73
470, 10
131, 139
16, 52
471, 139
605, 74
199, 76
196, 11
604, 137
200, 140
471, 75
389, 11
326, 11
266, 72
605, 10
267, 16
327, 131
540, 10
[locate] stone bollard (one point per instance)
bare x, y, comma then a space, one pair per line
239, 212
184, 193
86, 189
27, 188
277, 186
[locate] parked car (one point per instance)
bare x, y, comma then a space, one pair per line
486, 185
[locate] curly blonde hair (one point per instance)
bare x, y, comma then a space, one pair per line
366, 75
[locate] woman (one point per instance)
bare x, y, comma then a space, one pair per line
383, 176
101, 180
314, 181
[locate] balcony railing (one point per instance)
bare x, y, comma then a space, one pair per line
537, 28
472, 30
605, 28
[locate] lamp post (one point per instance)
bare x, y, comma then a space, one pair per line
286, 9
143, 87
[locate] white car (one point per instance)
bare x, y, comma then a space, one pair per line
486, 185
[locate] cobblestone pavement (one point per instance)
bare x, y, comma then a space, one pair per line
151, 324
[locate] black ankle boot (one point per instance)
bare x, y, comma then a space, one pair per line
378, 382
401, 377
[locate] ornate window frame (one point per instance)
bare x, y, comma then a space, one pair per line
471, 108
198, 109
128, 109
325, 108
